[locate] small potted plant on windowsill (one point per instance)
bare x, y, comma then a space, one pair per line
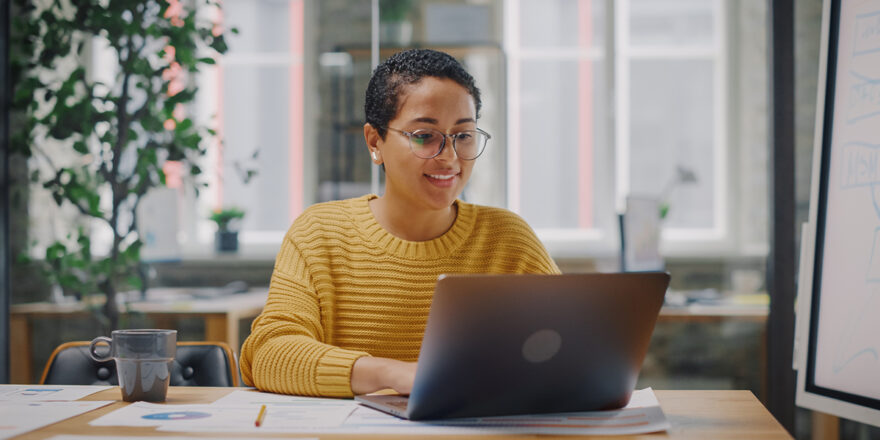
226, 237
683, 176
394, 26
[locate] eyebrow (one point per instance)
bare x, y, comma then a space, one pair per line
435, 122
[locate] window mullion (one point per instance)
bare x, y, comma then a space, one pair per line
513, 50
619, 12
374, 62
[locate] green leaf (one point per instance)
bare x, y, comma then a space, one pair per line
55, 251
134, 281
219, 45
184, 125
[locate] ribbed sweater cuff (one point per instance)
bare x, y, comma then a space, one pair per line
334, 372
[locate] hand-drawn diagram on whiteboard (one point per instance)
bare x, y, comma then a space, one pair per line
864, 97
859, 170
867, 33
864, 93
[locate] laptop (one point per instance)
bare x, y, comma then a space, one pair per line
528, 344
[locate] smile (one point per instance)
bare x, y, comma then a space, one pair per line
443, 180
441, 176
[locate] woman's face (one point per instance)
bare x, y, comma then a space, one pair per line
435, 183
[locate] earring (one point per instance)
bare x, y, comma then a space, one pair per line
373, 155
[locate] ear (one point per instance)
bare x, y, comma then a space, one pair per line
371, 135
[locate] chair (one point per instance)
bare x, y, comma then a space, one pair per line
209, 364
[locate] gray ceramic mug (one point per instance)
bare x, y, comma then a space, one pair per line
143, 361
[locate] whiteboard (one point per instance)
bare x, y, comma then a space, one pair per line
837, 344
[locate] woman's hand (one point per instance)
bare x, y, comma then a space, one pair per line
371, 374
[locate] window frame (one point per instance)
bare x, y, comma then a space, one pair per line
195, 226
721, 239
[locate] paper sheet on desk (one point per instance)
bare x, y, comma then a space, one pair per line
237, 411
34, 393
254, 397
283, 414
642, 415
18, 417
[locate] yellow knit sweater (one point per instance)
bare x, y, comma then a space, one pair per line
343, 288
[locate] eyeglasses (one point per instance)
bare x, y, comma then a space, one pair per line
427, 143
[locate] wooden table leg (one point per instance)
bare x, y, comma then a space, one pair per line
219, 328
21, 358
825, 426
232, 331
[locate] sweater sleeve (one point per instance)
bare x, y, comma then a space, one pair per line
285, 352
538, 260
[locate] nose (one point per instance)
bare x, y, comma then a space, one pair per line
448, 152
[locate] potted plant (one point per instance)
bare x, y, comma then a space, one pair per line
394, 26
226, 237
683, 176
98, 146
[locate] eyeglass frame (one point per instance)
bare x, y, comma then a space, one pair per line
409, 135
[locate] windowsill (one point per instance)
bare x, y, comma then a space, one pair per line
254, 263
253, 252
261, 253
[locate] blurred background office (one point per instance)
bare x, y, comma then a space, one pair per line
592, 104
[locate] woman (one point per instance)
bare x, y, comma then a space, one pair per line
353, 281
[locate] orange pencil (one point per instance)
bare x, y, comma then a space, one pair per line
260, 416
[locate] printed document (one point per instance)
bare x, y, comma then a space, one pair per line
32, 393
20, 416
237, 411
291, 415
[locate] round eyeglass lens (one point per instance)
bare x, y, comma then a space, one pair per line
426, 143
469, 143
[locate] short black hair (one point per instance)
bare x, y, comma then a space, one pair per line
405, 68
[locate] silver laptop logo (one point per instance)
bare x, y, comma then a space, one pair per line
541, 346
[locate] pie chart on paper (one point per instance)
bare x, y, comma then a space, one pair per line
177, 415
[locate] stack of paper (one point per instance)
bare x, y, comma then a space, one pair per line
24, 408
238, 411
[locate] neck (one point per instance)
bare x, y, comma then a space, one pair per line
407, 223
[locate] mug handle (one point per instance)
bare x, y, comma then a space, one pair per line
94, 344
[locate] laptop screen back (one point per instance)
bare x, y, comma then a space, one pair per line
519, 344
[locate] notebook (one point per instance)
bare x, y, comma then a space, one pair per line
528, 344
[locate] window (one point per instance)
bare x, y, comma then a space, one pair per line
560, 144
588, 102
255, 97
632, 97
671, 110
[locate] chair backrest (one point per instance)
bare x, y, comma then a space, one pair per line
208, 364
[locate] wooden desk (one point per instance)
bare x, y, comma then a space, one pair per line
714, 313
221, 316
692, 414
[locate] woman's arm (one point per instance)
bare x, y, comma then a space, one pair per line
286, 351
